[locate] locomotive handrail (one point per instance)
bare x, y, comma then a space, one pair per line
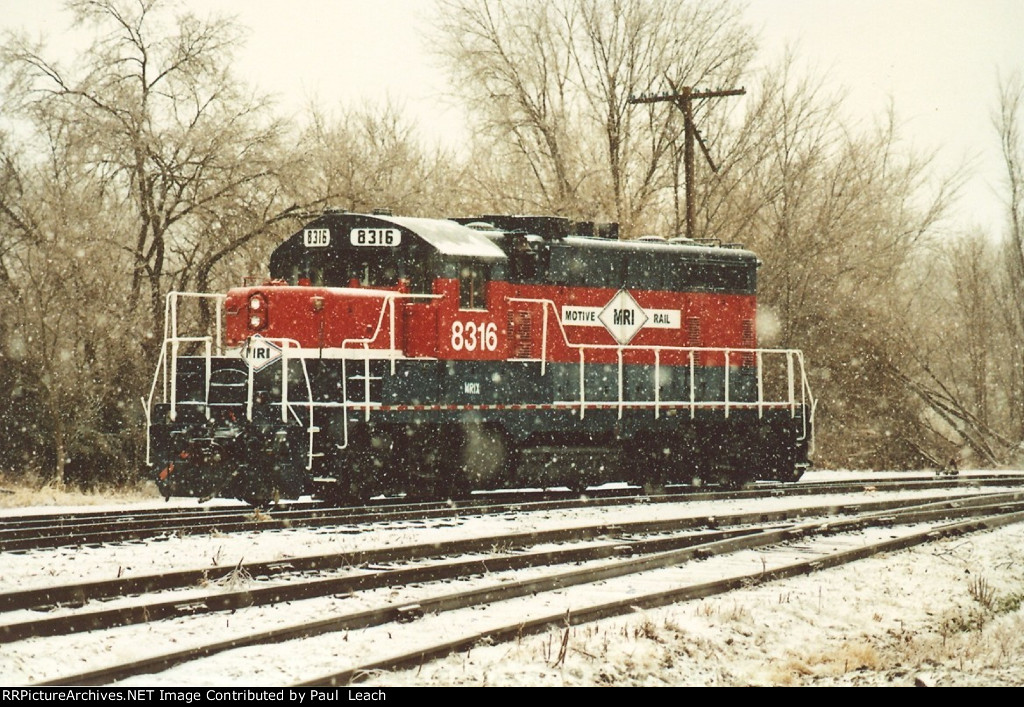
171, 314
171, 334
286, 404
388, 304
792, 356
175, 343
652, 347
166, 369
388, 298
147, 404
165, 372
726, 386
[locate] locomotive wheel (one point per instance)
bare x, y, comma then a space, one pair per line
650, 461
257, 488
421, 464
261, 501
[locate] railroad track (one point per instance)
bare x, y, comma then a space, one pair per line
515, 568
52, 530
825, 552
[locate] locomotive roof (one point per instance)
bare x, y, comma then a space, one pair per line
451, 238
446, 237
454, 239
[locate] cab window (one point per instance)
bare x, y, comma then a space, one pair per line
473, 278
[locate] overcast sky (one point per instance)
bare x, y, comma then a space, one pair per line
938, 60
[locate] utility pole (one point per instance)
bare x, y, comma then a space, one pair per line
684, 98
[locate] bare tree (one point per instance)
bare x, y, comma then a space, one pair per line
840, 215
1008, 124
550, 84
172, 133
512, 63
954, 353
143, 168
61, 344
967, 354
372, 157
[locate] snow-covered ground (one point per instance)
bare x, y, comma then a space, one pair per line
946, 613
912, 617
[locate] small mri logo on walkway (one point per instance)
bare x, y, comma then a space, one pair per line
260, 353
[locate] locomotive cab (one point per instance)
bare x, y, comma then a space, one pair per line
341, 268
374, 256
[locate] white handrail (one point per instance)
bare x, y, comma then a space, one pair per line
792, 357
166, 368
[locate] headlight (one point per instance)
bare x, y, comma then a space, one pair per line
257, 311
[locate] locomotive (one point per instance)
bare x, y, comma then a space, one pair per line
430, 358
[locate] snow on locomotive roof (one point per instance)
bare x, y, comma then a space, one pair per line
450, 238
556, 229
692, 248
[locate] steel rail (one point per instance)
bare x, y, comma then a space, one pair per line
657, 599
491, 594
21, 536
81, 593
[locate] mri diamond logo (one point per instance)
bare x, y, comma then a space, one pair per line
623, 317
260, 353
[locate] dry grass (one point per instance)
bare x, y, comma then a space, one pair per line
24, 492
833, 661
979, 634
235, 580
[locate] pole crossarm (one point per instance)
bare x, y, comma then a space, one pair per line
685, 92
683, 98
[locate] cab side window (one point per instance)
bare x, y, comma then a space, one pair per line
473, 278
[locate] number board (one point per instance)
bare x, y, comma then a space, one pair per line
316, 237
375, 237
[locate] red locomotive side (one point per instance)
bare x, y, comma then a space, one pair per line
324, 318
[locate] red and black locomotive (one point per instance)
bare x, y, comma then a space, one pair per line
430, 357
